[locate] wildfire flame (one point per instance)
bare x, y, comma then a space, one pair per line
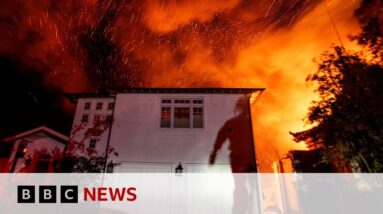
85, 45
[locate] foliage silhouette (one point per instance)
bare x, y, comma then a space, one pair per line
82, 159
348, 117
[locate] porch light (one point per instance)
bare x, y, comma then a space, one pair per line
179, 168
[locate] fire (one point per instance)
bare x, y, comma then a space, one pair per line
167, 16
287, 57
80, 45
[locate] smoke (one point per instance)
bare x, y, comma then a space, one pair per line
91, 45
88, 45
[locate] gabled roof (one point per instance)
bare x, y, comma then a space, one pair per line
113, 92
50, 132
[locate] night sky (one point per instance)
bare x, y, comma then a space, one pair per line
26, 103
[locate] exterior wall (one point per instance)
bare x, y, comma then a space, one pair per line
137, 137
80, 128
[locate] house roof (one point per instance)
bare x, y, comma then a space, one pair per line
112, 92
50, 132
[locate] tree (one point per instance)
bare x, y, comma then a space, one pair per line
348, 117
80, 158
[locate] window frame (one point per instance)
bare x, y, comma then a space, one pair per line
190, 109
170, 117
83, 120
102, 105
190, 104
87, 105
92, 141
110, 106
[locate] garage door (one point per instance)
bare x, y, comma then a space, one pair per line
129, 167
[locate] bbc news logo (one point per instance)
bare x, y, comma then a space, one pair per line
69, 194
47, 194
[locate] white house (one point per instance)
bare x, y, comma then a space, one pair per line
36, 150
169, 129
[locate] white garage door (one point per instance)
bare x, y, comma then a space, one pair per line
200, 189
129, 167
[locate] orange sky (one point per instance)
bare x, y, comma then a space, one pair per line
86, 45
278, 60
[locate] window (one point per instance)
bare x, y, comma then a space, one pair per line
166, 101
197, 101
97, 117
110, 106
165, 117
181, 117
87, 105
85, 118
197, 117
92, 143
99, 106
109, 118
181, 101
181, 113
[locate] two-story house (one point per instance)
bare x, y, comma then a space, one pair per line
169, 129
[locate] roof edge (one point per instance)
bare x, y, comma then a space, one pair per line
112, 92
34, 130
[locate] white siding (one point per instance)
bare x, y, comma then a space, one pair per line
80, 111
36, 143
137, 137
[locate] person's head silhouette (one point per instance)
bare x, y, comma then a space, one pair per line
241, 106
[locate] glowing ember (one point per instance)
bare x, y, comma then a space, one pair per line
90, 45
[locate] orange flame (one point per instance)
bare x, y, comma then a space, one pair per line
176, 43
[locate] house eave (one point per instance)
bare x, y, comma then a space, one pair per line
112, 92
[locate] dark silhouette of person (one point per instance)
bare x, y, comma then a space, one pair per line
238, 131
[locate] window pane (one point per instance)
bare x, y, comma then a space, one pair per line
87, 105
99, 106
85, 118
92, 143
110, 106
166, 101
181, 101
165, 117
197, 118
181, 118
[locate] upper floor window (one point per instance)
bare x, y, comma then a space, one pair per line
165, 117
197, 117
166, 101
85, 118
110, 106
181, 113
99, 106
87, 105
